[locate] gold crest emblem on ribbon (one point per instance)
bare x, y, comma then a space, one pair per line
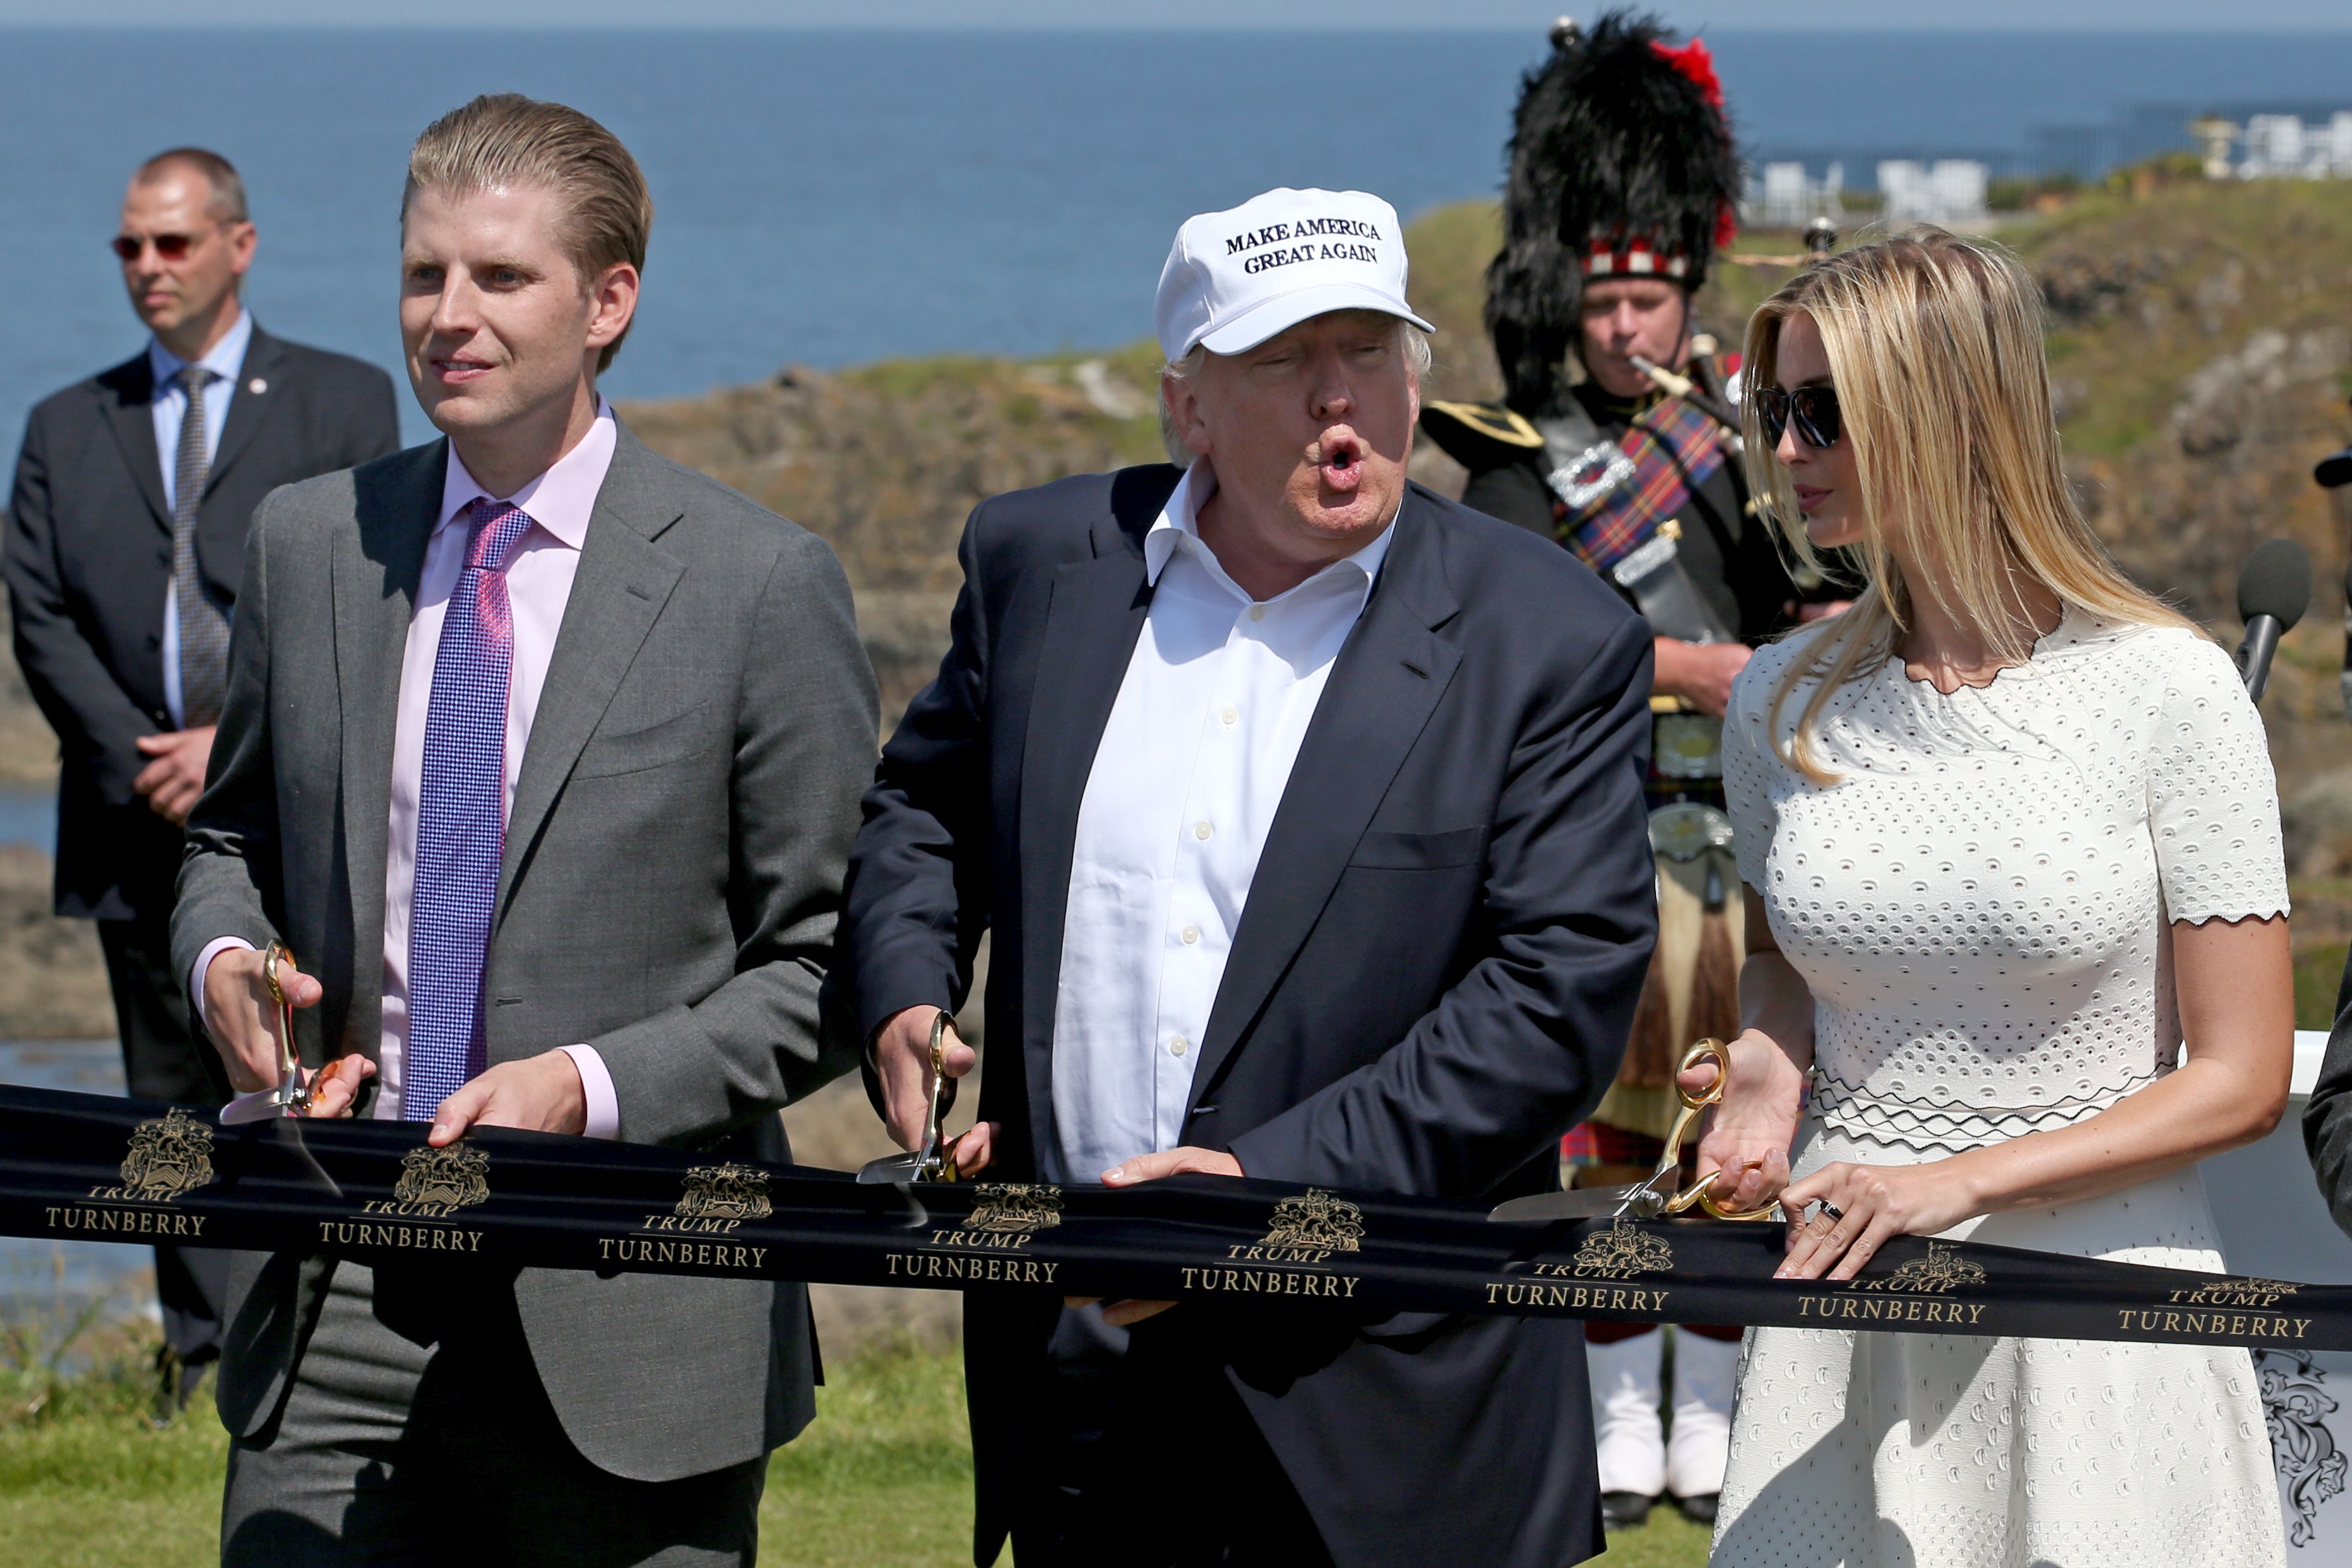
1316, 1219
1013, 1206
727, 1190
1621, 1252
168, 1156
442, 1180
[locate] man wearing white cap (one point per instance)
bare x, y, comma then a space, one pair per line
1305, 809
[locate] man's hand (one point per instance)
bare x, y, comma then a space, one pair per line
902, 1059
242, 1016
173, 780
539, 1094
1186, 1161
1699, 673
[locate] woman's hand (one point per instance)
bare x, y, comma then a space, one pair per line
1862, 1206
1748, 1134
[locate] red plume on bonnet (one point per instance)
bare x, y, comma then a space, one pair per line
1697, 66
1693, 60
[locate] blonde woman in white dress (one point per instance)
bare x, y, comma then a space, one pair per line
2011, 835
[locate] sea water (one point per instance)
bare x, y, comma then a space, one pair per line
832, 197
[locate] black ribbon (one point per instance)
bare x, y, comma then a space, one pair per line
82, 1167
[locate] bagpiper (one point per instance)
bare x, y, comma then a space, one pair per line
1616, 436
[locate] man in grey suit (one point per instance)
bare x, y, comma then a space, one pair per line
543, 754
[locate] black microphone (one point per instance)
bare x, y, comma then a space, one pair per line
2273, 590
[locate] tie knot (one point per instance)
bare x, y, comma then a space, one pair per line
498, 527
193, 378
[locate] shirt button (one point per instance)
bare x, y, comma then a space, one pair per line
1231, 716
1178, 1046
1258, 612
1191, 936
1202, 830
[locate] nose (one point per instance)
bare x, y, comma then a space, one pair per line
1789, 452
454, 313
1331, 398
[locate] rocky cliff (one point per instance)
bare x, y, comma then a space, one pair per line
2201, 346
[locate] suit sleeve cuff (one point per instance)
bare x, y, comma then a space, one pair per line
212, 950
596, 1085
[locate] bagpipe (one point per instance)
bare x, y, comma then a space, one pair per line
77, 1167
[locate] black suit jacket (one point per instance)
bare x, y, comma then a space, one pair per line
88, 563
1432, 979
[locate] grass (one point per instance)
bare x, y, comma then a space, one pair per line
882, 1478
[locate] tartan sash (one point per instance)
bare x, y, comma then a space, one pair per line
1674, 448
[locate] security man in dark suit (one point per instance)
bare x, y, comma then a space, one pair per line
125, 543
1305, 809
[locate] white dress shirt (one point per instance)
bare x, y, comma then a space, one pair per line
539, 586
1216, 702
226, 361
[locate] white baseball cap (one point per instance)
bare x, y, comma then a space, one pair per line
1237, 278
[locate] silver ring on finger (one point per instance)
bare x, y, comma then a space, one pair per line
1831, 1210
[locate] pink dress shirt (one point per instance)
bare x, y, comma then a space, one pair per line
539, 586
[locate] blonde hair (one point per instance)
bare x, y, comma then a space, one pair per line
1935, 348
504, 140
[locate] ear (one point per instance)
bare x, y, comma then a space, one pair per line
241, 245
1182, 396
613, 304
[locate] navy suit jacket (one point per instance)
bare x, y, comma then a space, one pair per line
1432, 979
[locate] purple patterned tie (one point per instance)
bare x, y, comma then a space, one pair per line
460, 819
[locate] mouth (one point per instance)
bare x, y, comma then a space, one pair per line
1809, 497
456, 369
1340, 460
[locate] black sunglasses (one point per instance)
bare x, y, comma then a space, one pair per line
1814, 410
170, 246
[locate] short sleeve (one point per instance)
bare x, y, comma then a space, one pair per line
2212, 798
1750, 767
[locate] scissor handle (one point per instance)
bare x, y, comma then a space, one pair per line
293, 1093
1701, 1192
1707, 1051
937, 1162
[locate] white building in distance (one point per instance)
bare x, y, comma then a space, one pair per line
1791, 198
2282, 146
1951, 191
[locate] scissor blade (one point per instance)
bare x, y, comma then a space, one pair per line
900, 1168
1584, 1202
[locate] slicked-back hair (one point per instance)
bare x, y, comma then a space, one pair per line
1935, 348
227, 202
504, 140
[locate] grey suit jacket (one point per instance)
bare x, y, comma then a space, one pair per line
671, 881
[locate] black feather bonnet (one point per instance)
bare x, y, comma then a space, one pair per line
1622, 166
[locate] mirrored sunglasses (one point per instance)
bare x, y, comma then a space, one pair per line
1814, 410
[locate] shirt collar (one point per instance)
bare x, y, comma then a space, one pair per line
226, 361
1181, 520
560, 500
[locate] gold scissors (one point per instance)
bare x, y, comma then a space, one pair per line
935, 1161
292, 1095
1656, 1196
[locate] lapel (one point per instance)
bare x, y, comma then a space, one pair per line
375, 567
1383, 687
248, 408
624, 580
131, 414
1095, 611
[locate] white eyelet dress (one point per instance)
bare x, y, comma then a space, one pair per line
1980, 908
